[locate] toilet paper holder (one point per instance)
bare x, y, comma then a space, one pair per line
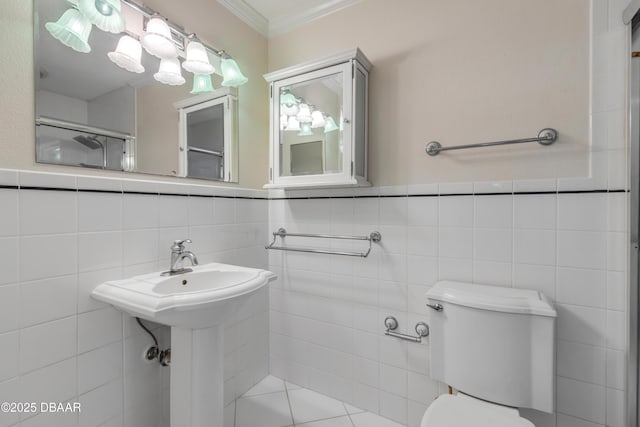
391, 323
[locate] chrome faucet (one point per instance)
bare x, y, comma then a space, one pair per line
178, 254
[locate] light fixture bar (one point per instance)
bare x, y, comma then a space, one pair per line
148, 13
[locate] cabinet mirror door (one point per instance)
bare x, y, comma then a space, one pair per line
207, 130
311, 112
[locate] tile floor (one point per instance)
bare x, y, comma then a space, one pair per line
277, 403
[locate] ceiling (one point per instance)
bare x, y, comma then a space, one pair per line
273, 17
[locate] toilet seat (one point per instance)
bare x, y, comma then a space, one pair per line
461, 410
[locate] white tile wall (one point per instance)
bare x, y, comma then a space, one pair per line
327, 324
60, 345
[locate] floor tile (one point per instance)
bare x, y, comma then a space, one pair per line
269, 384
292, 386
331, 422
265, 410
367, 419
308, 405
352, 409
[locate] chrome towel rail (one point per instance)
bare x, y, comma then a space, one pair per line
282, 233
546, 136
77, 127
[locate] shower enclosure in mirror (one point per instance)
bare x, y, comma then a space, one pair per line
99, 108
319, 123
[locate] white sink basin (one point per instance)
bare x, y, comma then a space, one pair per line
195, 305
200, 299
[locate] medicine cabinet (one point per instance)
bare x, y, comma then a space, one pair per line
208, 135
319, 122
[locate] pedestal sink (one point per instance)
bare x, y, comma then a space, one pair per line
195, 305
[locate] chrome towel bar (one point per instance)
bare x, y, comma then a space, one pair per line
282, 233
546, 136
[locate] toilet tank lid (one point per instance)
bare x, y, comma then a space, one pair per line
494, 298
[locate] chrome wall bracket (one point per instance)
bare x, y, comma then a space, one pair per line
391, 323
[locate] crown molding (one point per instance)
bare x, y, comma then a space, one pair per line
248, 14
280, 25
284, 24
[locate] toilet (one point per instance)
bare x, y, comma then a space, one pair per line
496, 347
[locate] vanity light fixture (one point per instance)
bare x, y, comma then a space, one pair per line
197, 61
169, 72
304, 114
128, 54
318, 120
161, 38
72, 30
157, 39
305, 129
104, 14
202, 84
231, 72
330, 125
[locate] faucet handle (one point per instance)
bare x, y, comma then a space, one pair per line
178, 245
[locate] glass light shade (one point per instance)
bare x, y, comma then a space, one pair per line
169, 72
72, 30
231, 73
330, 125
128, 54
293, 124
304, 114
289, 111
157, 39
197, 61
317, 119
104, 14
283, 121
202, 84
305, 130
288, 99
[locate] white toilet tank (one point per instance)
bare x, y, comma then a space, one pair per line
494, 343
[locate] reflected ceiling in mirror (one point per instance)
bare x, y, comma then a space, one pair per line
103, 87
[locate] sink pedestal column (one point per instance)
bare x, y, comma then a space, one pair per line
197, 377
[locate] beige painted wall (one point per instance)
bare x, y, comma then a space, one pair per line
462, 72
213, 23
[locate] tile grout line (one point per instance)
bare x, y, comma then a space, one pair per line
286, 392
348, 414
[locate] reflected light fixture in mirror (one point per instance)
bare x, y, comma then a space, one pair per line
305, 130
317, 119
128, 55
330, 125
202, 84
304, 114
157, 41
293, 124
72, 30
169, 72
197, 61
231, 73
104, 14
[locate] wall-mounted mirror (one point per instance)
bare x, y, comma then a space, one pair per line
92, 113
